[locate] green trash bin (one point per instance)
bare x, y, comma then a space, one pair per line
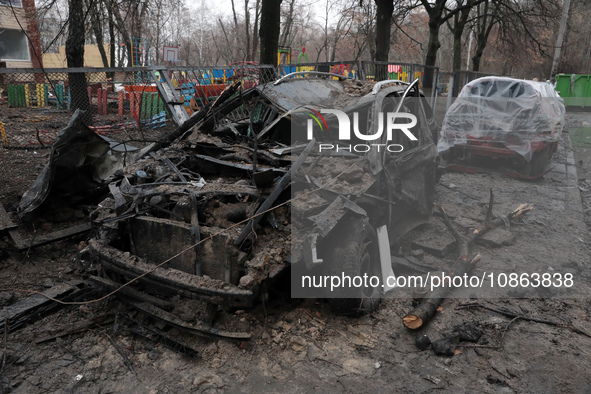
575, 89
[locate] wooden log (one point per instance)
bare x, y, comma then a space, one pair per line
419, 316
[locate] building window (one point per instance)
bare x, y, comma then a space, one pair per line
13, 45
14, 3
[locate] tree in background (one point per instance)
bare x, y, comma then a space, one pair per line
269, 34
75, 58
487, 17
439, 13
385, 8
512, 37
460, 21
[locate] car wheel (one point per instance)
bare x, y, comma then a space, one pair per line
354, 253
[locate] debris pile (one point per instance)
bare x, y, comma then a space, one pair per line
209, 215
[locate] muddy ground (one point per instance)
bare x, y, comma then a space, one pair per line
298, 345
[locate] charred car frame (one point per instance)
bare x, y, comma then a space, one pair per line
237, 200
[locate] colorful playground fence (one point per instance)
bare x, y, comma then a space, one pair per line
131, 93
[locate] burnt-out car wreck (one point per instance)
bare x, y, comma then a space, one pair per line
233, 203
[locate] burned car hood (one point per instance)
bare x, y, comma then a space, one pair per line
294, 93
80, 163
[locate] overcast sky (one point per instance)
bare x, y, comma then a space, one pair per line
224, 7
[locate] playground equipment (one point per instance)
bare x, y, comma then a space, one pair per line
144, 101
21, 95
340, 69
401, 73
283, 55
140, 55
199, 87
140, 52
3, 133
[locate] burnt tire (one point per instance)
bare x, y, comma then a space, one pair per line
353, 253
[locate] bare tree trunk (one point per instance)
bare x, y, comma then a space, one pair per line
159, 17
75, 58
112, 40
460, 20
255, 31
235, 17
140, 24
457, 62
484, 25
325, 46
97, 28
481, 41
123, 31
247, 28
269, 35
333, 52
436, 19
383, 29
431, 57
229, 58
234, 36
288, 25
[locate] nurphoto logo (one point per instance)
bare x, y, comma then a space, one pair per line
392, 124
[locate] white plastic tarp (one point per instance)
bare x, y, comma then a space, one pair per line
510, 113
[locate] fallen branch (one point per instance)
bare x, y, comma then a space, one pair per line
516, 316
421, 315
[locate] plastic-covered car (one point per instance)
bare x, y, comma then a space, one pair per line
504, 118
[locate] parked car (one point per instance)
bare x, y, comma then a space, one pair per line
514, 120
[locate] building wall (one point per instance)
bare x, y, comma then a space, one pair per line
92, 57
27, 17
7, 20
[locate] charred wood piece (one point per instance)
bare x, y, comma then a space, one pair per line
158, 337
173, 320
23, 244
38, 306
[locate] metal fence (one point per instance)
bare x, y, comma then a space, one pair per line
199, 86
114, 98
129, 91
128, 97
349, 69
41, 101
365, 70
